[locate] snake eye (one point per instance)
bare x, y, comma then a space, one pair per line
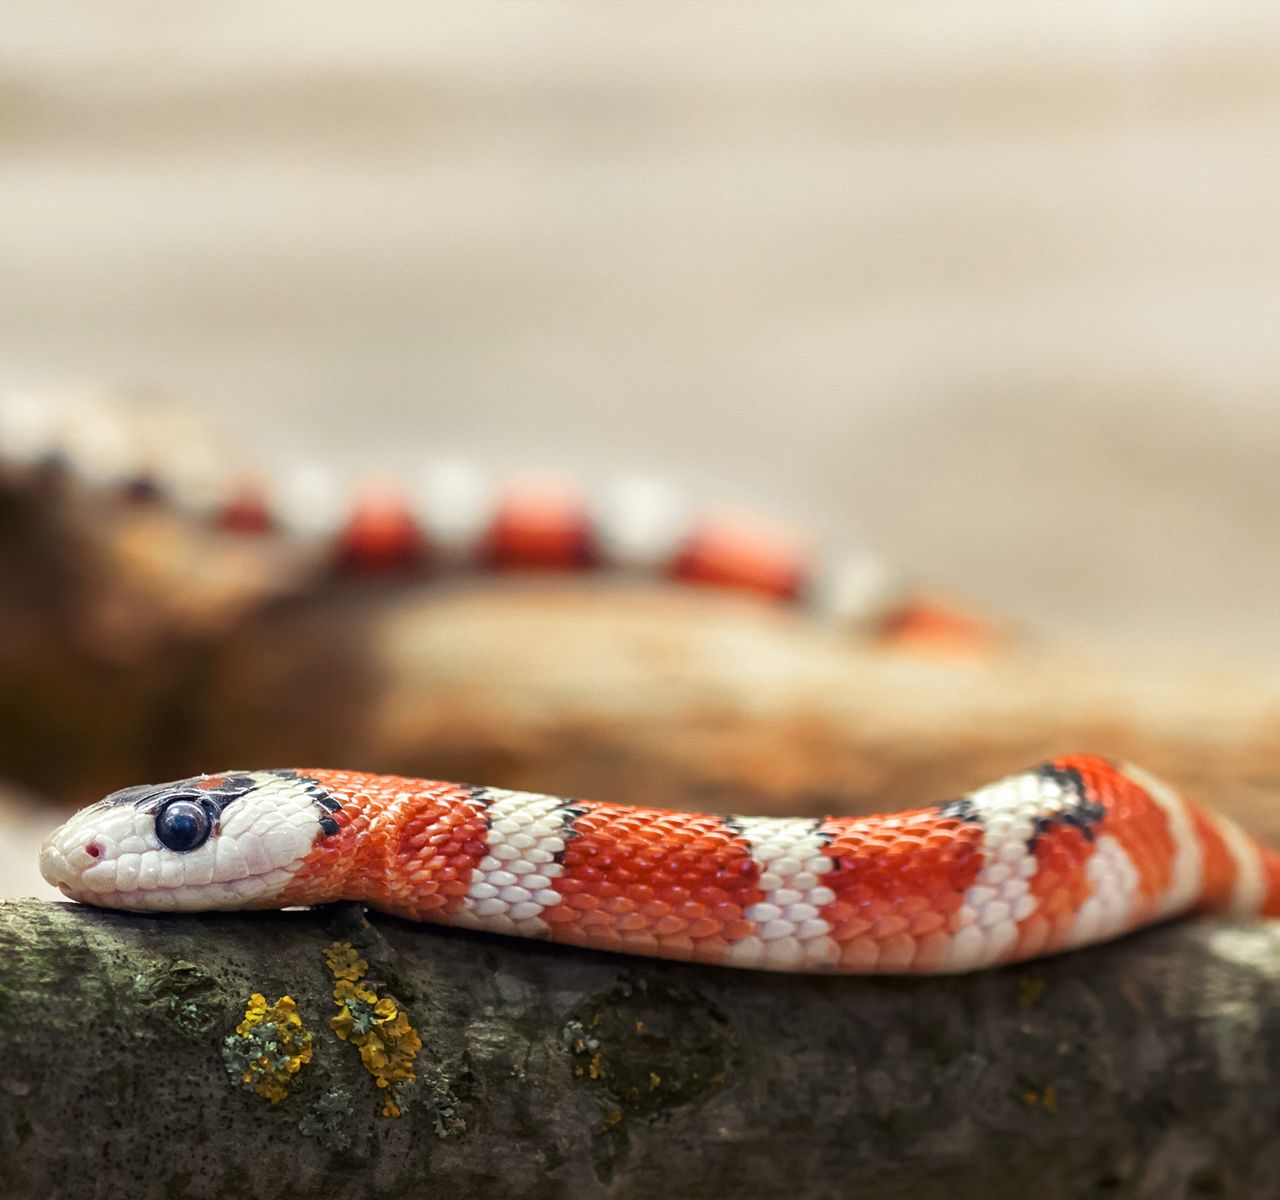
183, 825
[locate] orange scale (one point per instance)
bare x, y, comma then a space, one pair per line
960, 878
679, 947
660, 878
647, 889
631, 922
889, 926
672, 894
664, 926
581, 901
856, 894
896, 952
839, 915
861, 953
640, 942
1061, 927
735, 931
947, 901
931, 949
848, 930
597, 939
560, 914
688, 863
655, 908
928, 886
1033, 935
926, 922
704, 927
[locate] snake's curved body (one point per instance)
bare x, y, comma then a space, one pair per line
1074, 852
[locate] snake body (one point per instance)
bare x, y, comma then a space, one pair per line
443, 518
1071, 853
1074, 852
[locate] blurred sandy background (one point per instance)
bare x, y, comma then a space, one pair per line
993, 285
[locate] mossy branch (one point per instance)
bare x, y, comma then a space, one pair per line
1145, 1068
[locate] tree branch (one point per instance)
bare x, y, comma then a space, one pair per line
1146, 1068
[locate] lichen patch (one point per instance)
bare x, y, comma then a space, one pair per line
376, 1025
268, 1048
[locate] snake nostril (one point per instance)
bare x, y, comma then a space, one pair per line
93, 850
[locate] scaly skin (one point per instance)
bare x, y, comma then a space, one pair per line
1074, 852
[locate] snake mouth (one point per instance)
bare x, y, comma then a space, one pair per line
242, 894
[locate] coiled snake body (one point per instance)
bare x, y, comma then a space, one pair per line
1074, 852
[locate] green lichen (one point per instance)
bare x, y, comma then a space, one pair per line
269, 1047
183, 992
326, 1119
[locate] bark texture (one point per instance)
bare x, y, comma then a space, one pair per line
1142, 1069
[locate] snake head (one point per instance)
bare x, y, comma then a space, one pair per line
214, 841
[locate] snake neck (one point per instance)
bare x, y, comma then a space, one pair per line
395, 843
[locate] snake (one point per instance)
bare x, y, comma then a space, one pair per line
1071, 853
442, 518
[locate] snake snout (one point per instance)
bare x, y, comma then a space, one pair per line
53, 864
67, 853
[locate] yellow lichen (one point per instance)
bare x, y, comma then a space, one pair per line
1046, 1098
381, 1031
269, 1047
344, 962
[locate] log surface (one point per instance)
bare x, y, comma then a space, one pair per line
1145, 1068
